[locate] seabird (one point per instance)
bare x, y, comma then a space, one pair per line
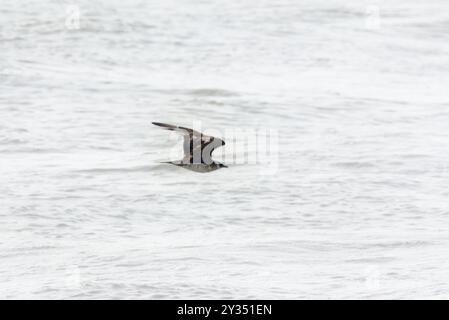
198, 149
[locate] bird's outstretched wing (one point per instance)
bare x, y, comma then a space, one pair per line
198, 147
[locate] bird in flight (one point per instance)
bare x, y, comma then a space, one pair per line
198, 149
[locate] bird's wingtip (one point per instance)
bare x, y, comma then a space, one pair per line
163, 125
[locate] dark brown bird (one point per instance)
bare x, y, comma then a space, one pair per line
198, 149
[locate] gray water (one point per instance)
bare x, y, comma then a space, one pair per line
357, 92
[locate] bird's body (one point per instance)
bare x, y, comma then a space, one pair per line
198, 149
